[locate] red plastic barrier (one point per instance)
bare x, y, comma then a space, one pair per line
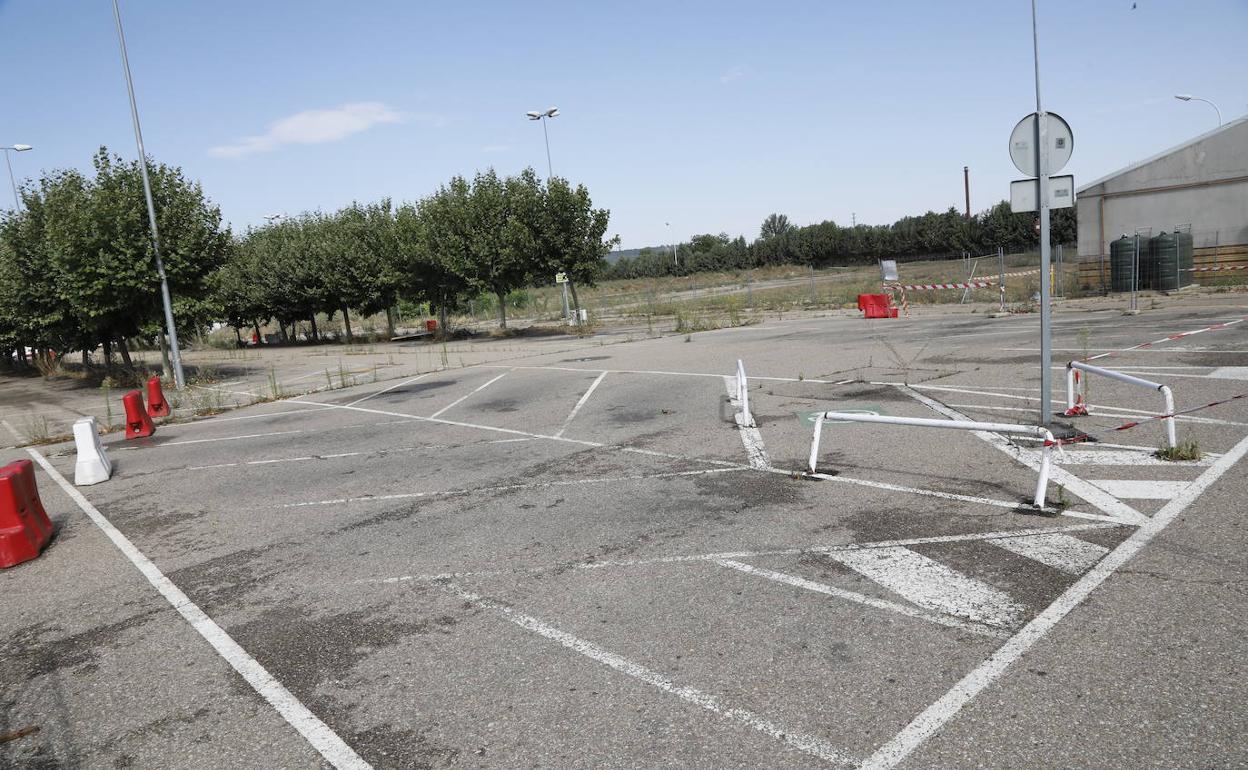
24, 525
138, 423
157, 406
431, 325
876, 306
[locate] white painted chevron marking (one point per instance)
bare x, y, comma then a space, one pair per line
1133, 489
932, 585
1063, 552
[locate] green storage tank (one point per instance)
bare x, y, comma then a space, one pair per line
1185, 258
1163, 252
1121, 263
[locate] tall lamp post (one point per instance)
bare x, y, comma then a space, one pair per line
1190, 98
175, 355
17, 202
675, 261
543, 117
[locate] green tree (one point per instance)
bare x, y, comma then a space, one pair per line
774, 225
570, 233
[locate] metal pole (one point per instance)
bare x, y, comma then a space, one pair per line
1135, 273
175, 354
17, 202
567, 316
966, 185
549, 169
1042, 169
1001, 274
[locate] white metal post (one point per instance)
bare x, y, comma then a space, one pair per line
1070, 389
1129, 379
1169, 419
1042, 169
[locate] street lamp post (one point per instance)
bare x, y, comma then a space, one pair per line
17, 202
675, 261
1190, 98
175, 354
543, 117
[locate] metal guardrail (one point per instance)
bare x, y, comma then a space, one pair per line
1076, 393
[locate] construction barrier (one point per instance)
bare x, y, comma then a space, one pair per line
1076, 391
876, 306
92, 465
24, 525
157, 406
923, 422
138, 421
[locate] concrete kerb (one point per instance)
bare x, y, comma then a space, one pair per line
925, 422
1076, 393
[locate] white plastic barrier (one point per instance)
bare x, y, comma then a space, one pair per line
923, 422
1076, 392
92, 465
743, 396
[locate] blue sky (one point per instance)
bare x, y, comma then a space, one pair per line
708, 115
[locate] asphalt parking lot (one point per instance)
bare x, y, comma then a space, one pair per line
581, 559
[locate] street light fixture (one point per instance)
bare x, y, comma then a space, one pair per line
17, 203
1190, 98
543, 116
672, 243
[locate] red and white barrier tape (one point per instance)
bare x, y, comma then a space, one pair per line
932, 286
1085, 437
1171, 338
1211, 269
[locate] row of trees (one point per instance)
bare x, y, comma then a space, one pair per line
76, 263
931, 235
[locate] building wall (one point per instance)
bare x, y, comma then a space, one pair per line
1209, 190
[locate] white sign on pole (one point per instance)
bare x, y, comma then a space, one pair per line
1023, 144
1025, 194
561, 277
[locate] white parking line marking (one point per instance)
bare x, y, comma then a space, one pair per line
378, 453
751, 439
392, 387
881, 604
1134, 489
323, 739
17, 436
1061, 552
805, 743
937, 715
1122, 457
463, 398
509, 487
572, 415
231, 438
930, 584
1109, 504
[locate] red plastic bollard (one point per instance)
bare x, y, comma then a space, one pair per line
24, 525
138, 423
157, 406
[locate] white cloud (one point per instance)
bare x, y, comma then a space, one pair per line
736, 73
316, 127
496, 148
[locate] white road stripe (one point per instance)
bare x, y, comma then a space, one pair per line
1122, 457
930, 584
1061, 552
808, 744
231, 438
17, 436
461, 399
392, 387
572, 415
870, 601
1140, 489
937, 715
751, 438
323, 739
1111, 505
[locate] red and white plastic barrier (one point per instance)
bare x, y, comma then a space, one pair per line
1038, 431
1076, 392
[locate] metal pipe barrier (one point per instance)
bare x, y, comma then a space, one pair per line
1076, 391
1038, 431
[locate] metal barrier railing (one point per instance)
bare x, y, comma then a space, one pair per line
923, 422
1076, 393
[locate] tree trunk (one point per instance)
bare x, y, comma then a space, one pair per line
442, 321
346, 321
316, 337
502, 309
166, 366
86, 358
390, 332
21, 352
125, 352
255, 327
576, 302
238, 337
107, 344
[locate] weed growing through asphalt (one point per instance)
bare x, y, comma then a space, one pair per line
275, 389
1185, 450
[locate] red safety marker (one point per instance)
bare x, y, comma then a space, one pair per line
138, 422
1080, 409
24, 525
157, 406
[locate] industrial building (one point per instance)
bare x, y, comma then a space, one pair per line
1199, 188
